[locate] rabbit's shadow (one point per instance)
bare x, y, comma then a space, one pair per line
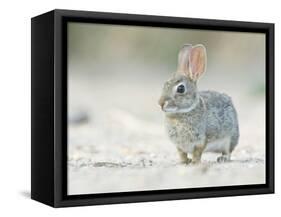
150, 163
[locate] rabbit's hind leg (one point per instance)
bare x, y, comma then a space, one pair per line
226, 153
183, 157
230, 145
224, 158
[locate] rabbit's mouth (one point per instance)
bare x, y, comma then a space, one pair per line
168, 108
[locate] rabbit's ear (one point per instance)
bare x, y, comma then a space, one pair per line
183, 58
197, 61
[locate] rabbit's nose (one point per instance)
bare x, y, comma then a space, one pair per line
161, 102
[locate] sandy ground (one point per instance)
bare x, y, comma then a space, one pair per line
116, 144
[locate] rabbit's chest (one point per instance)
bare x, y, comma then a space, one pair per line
184, 133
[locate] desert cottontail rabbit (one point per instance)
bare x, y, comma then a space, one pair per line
197, 121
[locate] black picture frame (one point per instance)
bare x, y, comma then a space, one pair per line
49, 108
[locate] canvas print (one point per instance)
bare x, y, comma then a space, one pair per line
163, 108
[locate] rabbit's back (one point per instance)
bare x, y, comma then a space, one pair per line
222, 121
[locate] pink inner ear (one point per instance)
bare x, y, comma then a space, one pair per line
183, 59
197, 62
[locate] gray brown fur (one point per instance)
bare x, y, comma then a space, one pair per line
198, 121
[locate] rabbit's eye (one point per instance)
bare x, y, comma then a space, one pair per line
181, 88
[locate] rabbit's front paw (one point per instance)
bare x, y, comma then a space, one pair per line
223, 158
187, 161
183, 157
197, 153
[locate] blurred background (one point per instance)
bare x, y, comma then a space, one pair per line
115, 77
